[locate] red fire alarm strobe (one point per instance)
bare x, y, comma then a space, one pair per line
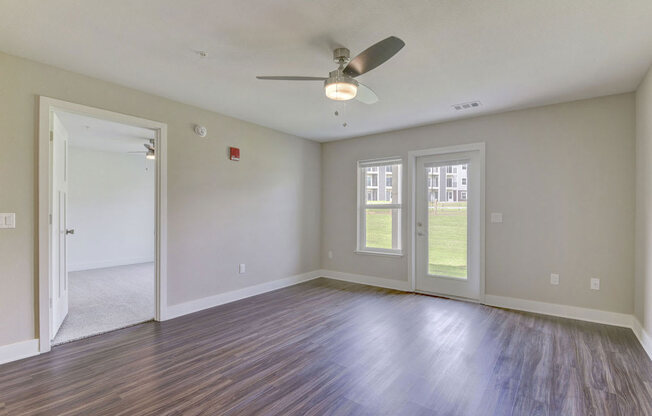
234, 153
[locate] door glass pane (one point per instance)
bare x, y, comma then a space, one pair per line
447, 221
381, 228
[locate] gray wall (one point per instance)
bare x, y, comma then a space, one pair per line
111, 207
563, 177
218, 211
643, 298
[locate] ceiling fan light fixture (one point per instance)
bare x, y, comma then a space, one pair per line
150, 155
340, 87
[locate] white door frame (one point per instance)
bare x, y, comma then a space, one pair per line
411, 206
46, 106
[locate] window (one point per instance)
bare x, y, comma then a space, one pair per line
449, 195
379, 220
463, 181
450, 182
462, 195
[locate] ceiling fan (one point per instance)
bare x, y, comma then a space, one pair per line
340, 85
150, 153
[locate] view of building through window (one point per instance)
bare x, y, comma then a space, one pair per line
381, 210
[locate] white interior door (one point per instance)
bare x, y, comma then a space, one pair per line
59, 269
447, 226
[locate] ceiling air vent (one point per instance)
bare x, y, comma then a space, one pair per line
467, 106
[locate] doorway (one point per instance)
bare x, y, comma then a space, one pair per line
103, 242
448, 226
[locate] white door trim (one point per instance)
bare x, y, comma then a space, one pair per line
46, 105
411, 206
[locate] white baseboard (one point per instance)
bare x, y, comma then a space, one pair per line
563, 311
367, 280
72, 267
643, 337
197, 305
19, 350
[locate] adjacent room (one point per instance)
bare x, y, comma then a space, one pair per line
326, 208
104, 265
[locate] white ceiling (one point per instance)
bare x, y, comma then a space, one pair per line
102, 135
505, 53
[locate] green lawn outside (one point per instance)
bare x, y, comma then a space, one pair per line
447, 242
379, 228
446, 233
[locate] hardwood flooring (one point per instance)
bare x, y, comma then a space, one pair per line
328, 347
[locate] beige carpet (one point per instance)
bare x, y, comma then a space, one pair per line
103, 300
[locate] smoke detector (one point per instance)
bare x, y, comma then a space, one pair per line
467, 106
200, 131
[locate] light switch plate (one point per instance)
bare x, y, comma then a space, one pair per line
241, 268
8, 220
496, 217
554, 279
595, 284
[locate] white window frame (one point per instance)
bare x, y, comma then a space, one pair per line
363, 206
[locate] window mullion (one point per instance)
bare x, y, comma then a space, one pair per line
381, 206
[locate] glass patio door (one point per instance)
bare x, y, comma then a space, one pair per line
447, 225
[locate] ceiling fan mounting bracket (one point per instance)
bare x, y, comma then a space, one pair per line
341, 56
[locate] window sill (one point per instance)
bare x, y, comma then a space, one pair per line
379, 253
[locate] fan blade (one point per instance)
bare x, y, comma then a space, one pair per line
374, 56
291, 78
366, 95
148, 147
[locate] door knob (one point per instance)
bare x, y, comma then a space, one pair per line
71, 231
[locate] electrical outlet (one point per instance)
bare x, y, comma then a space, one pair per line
241, 268
330, 254
595, 284
554, 279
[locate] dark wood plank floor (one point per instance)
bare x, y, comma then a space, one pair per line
327, 347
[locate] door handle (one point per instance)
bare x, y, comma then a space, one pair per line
420, 234
71, 231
